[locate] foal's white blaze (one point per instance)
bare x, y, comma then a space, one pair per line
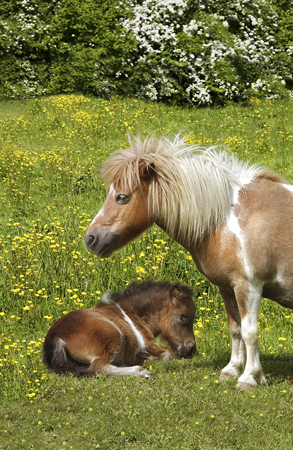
138, 335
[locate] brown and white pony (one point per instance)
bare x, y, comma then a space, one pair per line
121, 329
236, 221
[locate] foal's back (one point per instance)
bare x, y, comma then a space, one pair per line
91, 332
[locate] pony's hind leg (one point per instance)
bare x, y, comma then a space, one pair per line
237, 360
101, 365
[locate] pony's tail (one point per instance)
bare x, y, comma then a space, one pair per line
57, 358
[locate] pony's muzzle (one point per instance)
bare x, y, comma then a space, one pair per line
91, 241
187, 349
100, 243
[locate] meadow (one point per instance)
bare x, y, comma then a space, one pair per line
50, 151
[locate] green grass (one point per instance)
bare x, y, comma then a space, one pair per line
50, 150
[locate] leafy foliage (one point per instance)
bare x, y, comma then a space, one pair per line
204, 52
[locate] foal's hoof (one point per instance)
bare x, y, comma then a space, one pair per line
145, 374
245, 386
225, 377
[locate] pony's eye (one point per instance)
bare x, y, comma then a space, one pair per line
183, 319
122, 198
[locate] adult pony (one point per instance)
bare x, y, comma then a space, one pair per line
236, 221
120, 331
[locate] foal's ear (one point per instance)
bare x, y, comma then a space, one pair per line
175, 293
146, 171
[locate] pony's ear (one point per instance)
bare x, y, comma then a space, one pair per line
175, 292
146, 171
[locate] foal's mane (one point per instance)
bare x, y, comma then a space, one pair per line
191, 187
143, 294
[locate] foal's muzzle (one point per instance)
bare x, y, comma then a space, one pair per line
187, 349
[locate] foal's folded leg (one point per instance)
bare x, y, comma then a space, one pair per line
101, 365
99, 347
157, 352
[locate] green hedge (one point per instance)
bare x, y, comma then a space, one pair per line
203, 52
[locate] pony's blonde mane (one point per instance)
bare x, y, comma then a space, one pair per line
191, 188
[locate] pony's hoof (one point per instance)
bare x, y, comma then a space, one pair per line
225, 377
167, 356
145, 374
245, 386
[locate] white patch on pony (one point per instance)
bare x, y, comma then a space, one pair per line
101, 213
106, 298
245, 181
60, 350
232, 221
253, 373
238, 356
138, 335
59, 346
234, 227
126, 371
289, 187
112, 191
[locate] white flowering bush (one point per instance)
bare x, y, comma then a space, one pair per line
208, 53
204, 52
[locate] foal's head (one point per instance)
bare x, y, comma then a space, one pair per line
168, 310
177, 320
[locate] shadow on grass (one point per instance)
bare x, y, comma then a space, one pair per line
277, 368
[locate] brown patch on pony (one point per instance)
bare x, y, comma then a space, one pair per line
269, 174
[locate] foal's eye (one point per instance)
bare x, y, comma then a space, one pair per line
183, 319
122, 198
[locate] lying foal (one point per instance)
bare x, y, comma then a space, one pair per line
120, 331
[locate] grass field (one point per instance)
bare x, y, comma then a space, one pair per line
50, 150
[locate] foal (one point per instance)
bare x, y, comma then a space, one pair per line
121, 329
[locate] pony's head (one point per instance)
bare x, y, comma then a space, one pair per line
183, 189
125, 213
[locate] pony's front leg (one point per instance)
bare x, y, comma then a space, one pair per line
253, 374
156, 352
237, 360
